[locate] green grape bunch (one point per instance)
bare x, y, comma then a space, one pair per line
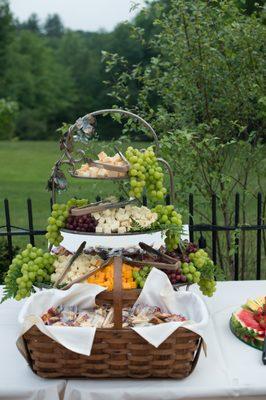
169, 218
207, 286
58, 218
141, 275
203, 264
31, 266
145, 172
199, 258
191, 272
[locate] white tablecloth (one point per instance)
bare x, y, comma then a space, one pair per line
231, 369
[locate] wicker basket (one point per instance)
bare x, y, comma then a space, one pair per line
116, 353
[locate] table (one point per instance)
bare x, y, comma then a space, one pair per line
230, 370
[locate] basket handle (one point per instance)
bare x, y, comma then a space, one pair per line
117, 292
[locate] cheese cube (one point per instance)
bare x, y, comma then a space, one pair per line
107, 229
102, 172
113, 174
117, 158
115, 225
102, 156
126, 223
122, 229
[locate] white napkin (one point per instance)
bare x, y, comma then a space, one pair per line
77, 339
157, 291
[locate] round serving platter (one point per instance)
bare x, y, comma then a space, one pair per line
120, 178
73, 239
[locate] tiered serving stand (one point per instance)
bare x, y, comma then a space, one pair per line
84, 129
117, 352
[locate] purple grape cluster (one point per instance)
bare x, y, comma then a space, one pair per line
82, 223
175, 276
191, 248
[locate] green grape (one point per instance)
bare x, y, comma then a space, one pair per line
57, 220
168, 217
207, 286
145, 171
190, 271
199, 258
26, 269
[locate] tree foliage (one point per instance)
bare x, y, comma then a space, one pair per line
55, 74
203, 92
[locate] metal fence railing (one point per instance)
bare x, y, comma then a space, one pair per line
9, 231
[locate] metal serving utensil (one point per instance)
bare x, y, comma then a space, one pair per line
150, 250
70, 262
88, 274
99, 206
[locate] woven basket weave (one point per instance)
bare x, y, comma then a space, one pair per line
116, 353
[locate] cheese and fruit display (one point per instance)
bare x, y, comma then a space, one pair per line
183, 262
122, 247
249, 322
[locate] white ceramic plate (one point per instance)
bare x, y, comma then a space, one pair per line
72, 240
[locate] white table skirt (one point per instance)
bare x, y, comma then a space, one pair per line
231, 369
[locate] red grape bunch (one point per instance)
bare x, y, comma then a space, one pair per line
175, 276
82, 223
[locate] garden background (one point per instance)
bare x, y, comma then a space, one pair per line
194, 70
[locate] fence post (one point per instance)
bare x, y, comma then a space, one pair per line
259, 223
190, 221
167, 199
144, 200
236, 255
8, 230
214, 232
30, 219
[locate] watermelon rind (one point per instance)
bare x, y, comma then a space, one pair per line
246, 335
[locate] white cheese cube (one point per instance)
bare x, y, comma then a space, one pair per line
107, 229
102, 156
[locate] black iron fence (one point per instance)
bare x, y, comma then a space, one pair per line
9, 230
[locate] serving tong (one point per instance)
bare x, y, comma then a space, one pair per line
88, 274
69, 263
83, 277
99, 206
170, 264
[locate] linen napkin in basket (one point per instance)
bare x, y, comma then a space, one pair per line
157, 291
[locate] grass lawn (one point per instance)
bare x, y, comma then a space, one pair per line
24, 171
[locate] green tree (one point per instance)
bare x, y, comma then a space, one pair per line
6, 35
41, 86
53, 26
8, 110
32, 24
203, 92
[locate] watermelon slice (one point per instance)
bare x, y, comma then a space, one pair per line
247, 319
248, 325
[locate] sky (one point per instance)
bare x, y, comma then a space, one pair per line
88, 15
